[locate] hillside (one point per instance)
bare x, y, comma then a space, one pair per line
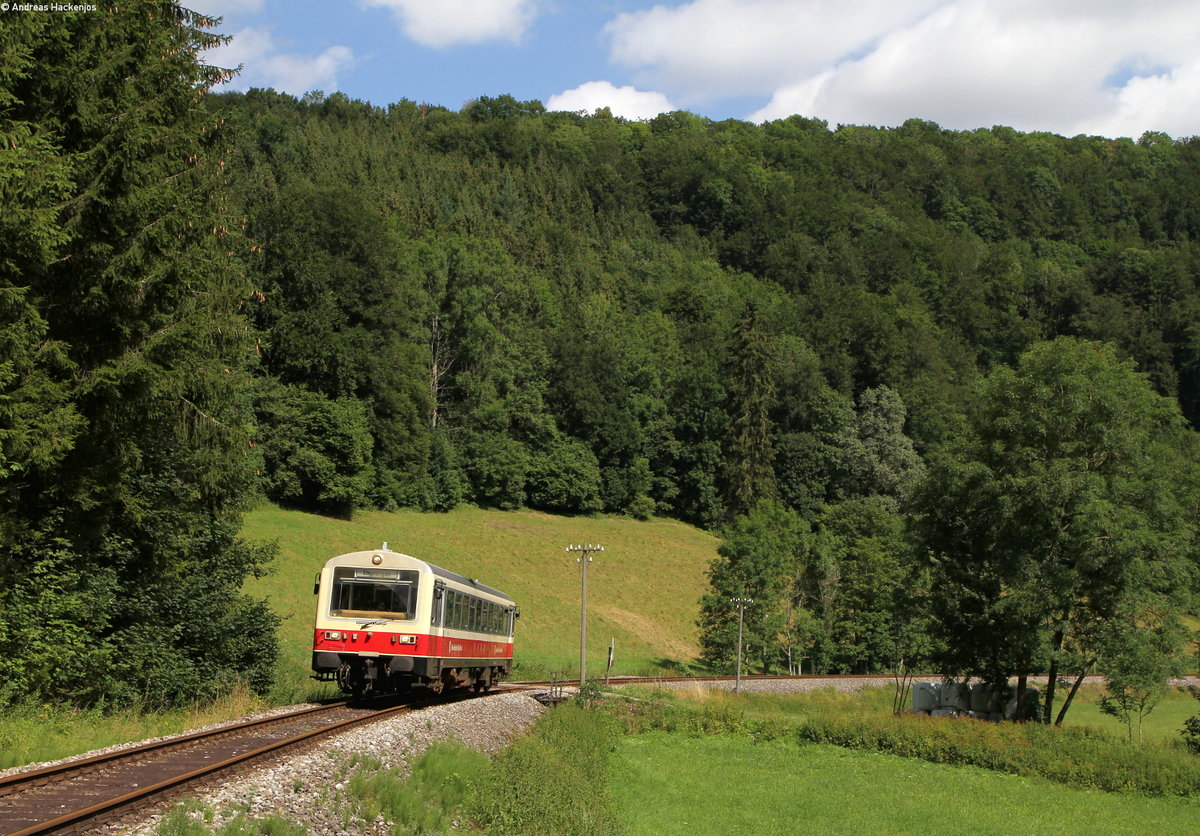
644, 590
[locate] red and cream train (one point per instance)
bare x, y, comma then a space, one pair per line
387, 621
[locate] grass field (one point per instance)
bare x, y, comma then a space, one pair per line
733, 785
643, 590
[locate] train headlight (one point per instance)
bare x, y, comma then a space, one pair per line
404, 639
333, 635
376, 559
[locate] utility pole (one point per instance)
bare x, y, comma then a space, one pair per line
741, 605
585, 557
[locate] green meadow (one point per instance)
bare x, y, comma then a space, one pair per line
735, 785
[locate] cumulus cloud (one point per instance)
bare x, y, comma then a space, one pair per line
1168, 102
265, 65
627, 102
1069, 66
713, 48
442, 23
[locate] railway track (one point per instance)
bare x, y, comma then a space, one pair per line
81, 795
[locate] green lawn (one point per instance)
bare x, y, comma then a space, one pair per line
717, 784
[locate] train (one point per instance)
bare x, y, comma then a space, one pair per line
389, 622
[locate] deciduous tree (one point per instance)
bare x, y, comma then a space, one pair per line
1065, 507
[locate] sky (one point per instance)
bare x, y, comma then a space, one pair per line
1102, 67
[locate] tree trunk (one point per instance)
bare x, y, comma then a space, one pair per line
1071, 694
1052, 680
1022, 687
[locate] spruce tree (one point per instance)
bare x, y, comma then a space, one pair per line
750, 450
123, 303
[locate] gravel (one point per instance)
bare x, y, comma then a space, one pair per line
309, 789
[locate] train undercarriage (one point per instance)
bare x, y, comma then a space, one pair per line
361, 676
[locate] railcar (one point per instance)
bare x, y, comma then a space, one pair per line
390, 622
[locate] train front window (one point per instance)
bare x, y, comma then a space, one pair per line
374, 593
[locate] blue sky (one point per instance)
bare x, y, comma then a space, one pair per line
1106, 67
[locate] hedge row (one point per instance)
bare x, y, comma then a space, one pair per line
1076, 757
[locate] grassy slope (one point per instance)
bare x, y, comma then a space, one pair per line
643, 590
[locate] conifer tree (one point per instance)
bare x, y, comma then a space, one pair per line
750, 448
130, 350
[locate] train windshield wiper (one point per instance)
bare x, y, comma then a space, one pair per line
372, 623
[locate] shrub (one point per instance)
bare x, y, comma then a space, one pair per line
565, 478
1191, 727
1191, 734
316, 450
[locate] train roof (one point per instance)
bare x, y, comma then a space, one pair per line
436, 570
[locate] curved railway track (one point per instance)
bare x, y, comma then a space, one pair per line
80, 795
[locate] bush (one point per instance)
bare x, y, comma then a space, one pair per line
316, 451
1191, 727
565, 478
497, 467
1191, 734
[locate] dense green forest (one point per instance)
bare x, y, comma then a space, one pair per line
512, 307
784, 327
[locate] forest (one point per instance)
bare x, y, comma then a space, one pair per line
865, 354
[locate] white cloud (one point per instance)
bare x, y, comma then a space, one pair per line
711, 48
1169, 102
1069, 66
627, 102
266, 66
442, 23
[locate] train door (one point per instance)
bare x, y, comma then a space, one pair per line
437, 616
